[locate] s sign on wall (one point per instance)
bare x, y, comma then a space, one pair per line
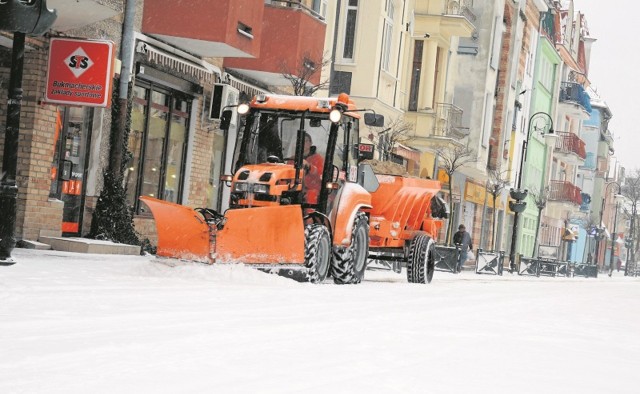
80, 72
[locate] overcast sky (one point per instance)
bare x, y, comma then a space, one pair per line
614, 72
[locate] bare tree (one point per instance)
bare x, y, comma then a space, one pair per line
631, 190
540, 198
300, 77
450, 159
496, 183
397, 132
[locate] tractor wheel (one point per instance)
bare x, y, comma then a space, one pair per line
349, 263
317, 252
421, 260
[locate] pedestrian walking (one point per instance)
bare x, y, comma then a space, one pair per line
463, 240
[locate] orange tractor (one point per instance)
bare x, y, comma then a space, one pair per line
302, 205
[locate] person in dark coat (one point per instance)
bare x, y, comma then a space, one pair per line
463, 239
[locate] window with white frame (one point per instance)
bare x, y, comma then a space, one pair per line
320, 7
547, 73
387, 37
532, 51
351, 18
497, 43
489, 109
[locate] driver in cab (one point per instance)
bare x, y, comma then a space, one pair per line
313, 165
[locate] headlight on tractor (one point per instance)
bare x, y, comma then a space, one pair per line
260, 188
241, 187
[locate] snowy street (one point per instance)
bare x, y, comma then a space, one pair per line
74, 323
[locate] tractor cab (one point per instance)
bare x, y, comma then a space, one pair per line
294, 150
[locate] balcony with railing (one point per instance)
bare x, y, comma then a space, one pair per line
573, 93
571, 147
449, 18
461, 7
548, 25
564, 192
297, 4
448, 122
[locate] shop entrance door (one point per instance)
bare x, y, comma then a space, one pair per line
68, 170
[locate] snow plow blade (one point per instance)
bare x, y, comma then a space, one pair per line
182, 232
261, 236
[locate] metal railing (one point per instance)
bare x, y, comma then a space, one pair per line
536, 266
564, 192
489, 262
446, 258
547, 23
461, 7
573, 92
296, 4
570, 143
448, 122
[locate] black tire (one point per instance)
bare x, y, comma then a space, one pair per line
317, 252
349, 263
421, 260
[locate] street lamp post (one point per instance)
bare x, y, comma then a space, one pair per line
600, 232
541, 122
22, 18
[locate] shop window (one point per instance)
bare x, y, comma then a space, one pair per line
416, 70
157, 144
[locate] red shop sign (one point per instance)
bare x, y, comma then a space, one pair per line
80, 72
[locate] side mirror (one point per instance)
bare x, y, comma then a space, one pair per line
225, 119
367, 178
374, 120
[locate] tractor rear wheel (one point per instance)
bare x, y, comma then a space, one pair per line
349, 263
317, 252
421, 260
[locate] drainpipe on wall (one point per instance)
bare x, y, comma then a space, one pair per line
334, 47
126, 55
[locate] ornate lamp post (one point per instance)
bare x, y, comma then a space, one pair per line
540, 122
21, 17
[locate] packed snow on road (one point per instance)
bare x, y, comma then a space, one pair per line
73, 323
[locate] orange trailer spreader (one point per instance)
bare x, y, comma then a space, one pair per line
401, 209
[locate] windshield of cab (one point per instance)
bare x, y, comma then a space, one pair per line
271, 136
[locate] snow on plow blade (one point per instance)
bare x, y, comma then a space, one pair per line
262, 236
182, 232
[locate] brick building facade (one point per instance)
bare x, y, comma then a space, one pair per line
176, 150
